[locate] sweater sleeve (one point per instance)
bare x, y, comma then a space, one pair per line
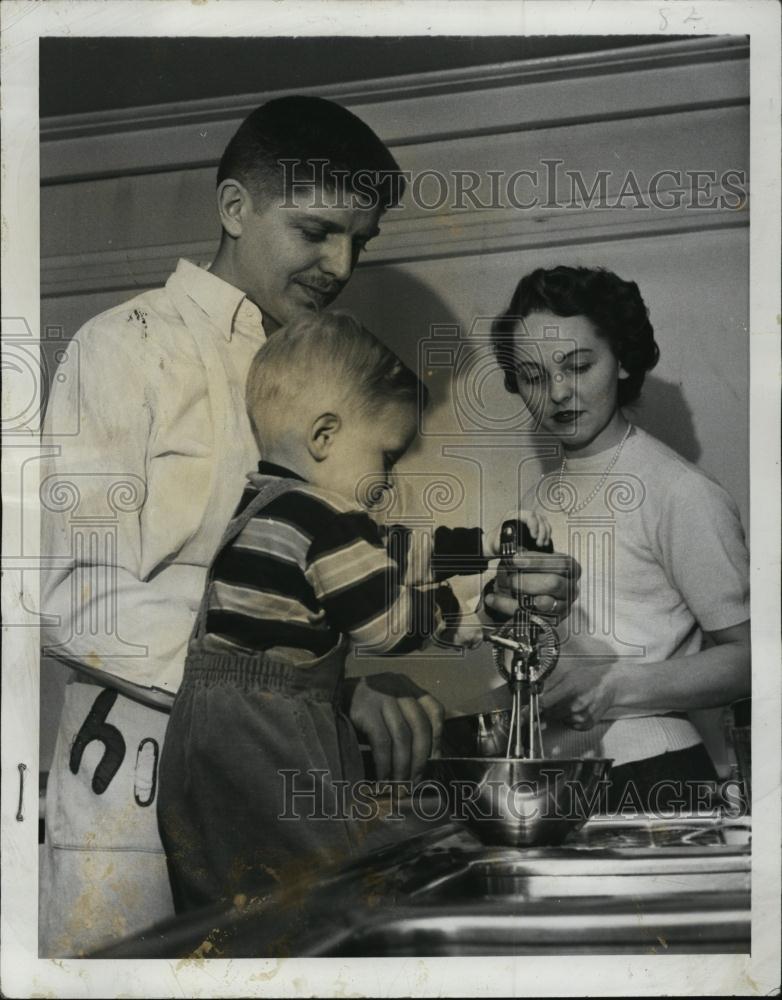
703, 552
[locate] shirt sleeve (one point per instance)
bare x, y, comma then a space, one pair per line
704, 553
361, 587
98, 611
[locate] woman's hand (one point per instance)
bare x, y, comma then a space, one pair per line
554, 589
583, 694
535, 521
580, 694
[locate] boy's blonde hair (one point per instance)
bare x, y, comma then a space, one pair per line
325, 351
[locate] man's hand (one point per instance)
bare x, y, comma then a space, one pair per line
401, 722
554, 588
579, 694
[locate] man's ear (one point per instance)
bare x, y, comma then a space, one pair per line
234, 201
323, 432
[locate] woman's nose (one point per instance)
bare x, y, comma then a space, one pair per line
561, 388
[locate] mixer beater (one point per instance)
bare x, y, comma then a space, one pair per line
530, 642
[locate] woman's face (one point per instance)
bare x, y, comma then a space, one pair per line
568, 378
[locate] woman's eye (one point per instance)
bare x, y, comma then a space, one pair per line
580, 369
529, 377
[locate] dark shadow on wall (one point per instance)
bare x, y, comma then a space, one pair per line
401, 310
396, 306
664, 412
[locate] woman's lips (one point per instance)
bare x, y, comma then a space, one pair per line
567, 416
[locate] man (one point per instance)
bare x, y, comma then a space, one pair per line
135, 503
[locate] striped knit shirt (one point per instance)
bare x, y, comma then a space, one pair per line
310, 568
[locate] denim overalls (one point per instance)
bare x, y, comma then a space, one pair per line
247, 798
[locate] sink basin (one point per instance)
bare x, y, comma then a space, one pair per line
642, 885
619, 885
705, 925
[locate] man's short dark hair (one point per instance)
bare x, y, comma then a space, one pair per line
329, 142
613, 305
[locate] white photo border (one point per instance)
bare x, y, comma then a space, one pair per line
23, 973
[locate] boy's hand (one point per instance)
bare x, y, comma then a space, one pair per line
402, 723
468, 633
536, 522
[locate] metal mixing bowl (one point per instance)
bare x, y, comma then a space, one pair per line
484, 734
517, 802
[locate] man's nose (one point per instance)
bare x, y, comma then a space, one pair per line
561, 388
337, 258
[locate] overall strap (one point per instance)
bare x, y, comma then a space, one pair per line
267, 493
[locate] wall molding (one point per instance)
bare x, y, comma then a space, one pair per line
554, 93
451, 235
413, 85
417, 108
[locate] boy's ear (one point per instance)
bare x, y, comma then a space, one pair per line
233, 202
322, 434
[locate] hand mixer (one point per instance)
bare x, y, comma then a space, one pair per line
531, 639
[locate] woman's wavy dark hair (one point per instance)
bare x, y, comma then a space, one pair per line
613, 305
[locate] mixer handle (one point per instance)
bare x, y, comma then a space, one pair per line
516, 537
536, 559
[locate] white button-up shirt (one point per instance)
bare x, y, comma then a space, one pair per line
149, 449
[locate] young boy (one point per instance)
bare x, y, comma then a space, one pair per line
302, 574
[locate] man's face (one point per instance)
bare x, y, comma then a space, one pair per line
299, 257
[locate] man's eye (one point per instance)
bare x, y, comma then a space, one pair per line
314, 235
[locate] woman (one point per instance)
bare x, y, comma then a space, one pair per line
661, 623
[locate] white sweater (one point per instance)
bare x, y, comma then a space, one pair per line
663, 559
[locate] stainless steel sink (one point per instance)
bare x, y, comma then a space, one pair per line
641, 885
618, 886
647, 926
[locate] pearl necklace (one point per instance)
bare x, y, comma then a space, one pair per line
585, 503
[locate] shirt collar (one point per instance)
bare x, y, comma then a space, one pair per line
220, 300
272, 469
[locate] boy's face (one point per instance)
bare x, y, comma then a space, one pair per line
365, 451
300, 257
